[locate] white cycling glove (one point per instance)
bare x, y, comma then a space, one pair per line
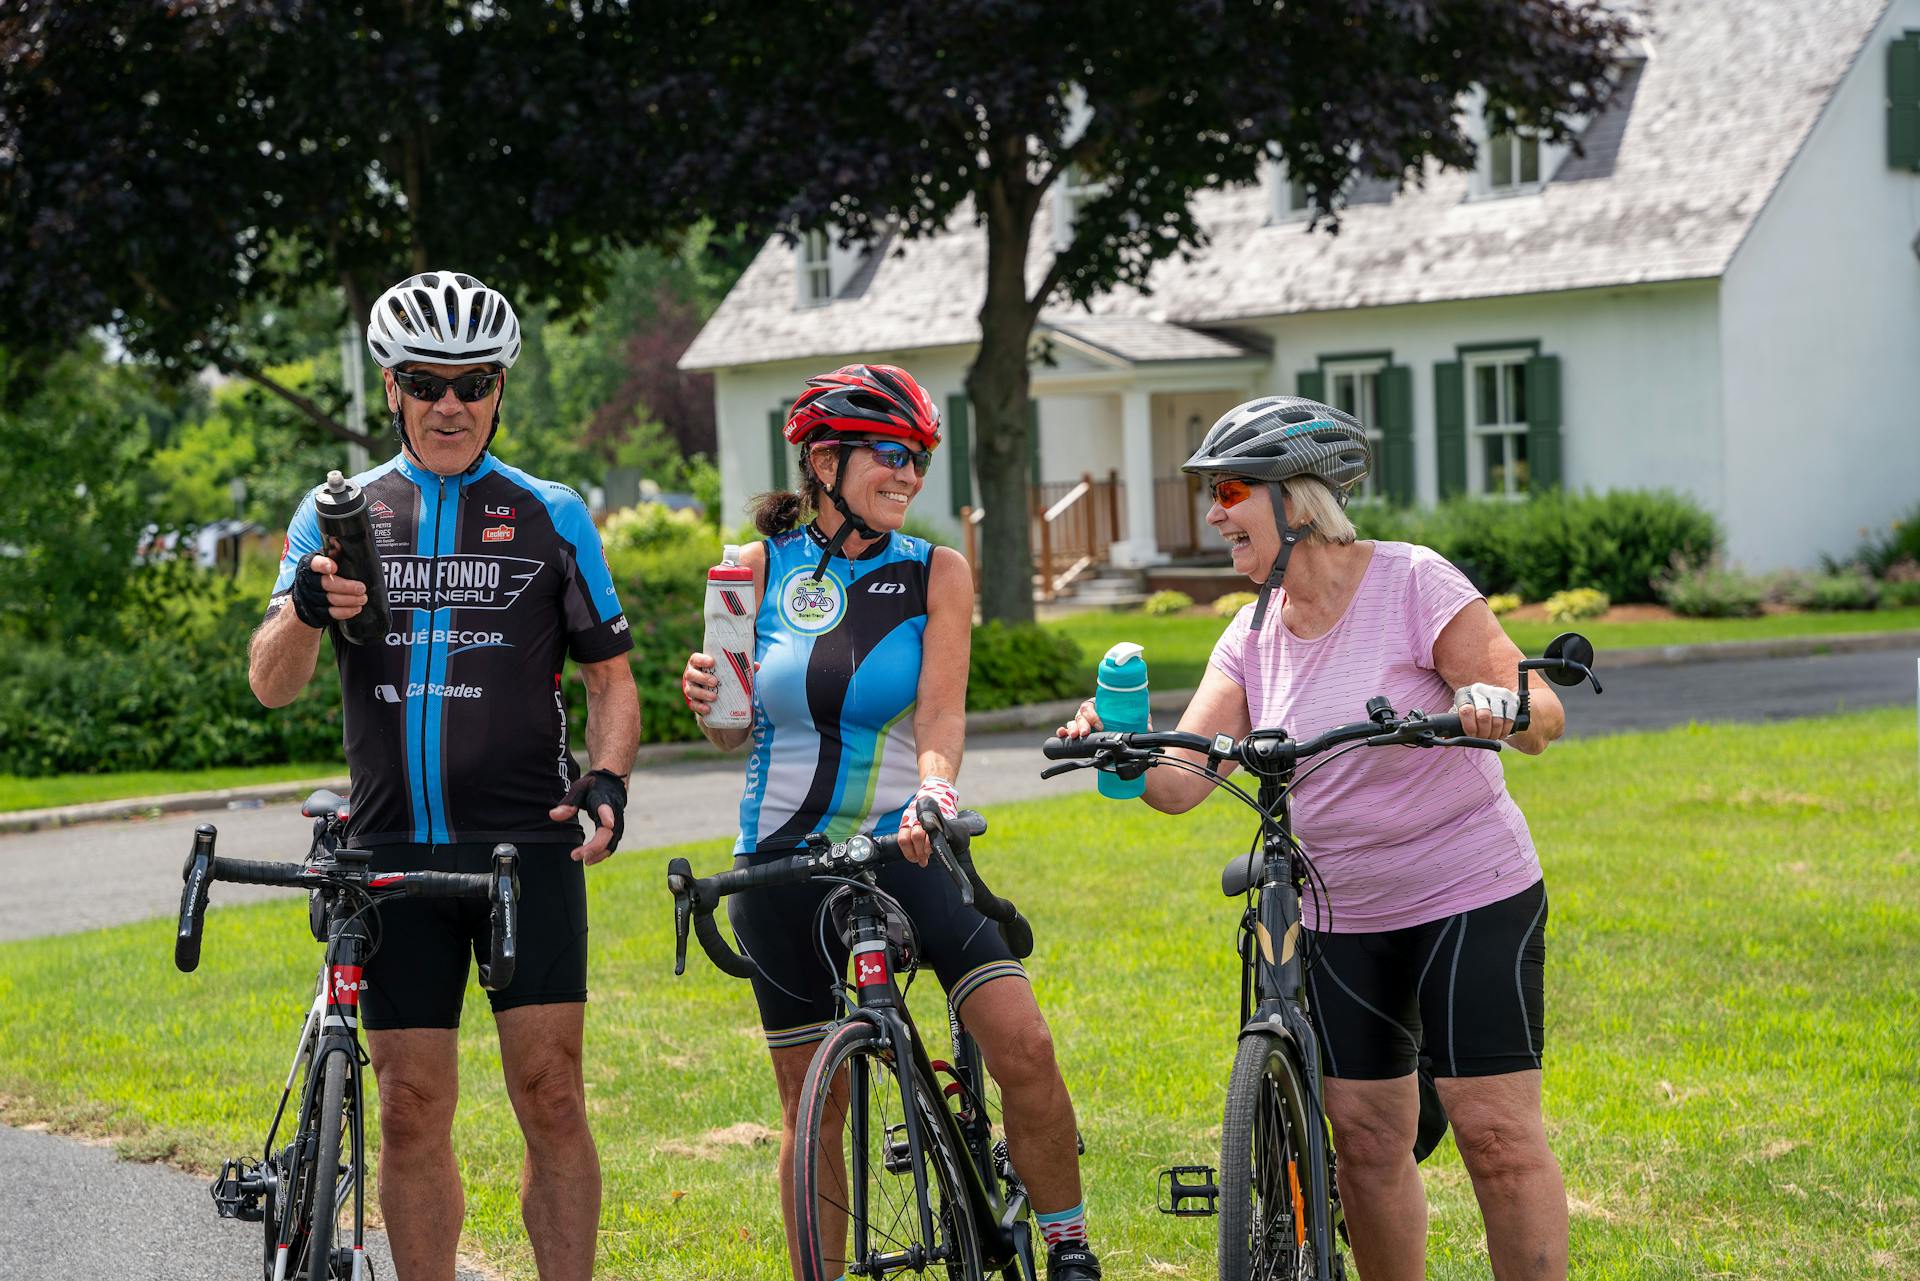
943, 795
1502, 704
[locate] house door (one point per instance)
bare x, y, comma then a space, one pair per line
1180, 423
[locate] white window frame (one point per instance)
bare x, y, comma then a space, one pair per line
1514, 143
1506, 426
813, 266
1366, 409
1070, 191
1287, 199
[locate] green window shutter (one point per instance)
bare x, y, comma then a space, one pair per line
1543, 423
1395, 475
1903, 102
1450, 426
1311, 383
959, 451
776, 428
1033, 441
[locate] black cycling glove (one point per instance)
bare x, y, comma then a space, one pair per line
309, 597
601, 787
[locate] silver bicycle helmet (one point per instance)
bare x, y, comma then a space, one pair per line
1276, 438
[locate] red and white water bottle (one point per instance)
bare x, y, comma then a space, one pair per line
730, 613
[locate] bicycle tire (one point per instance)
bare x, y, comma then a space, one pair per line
868, 1063
1267, 1182
326, 1170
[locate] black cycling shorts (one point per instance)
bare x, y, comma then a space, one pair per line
1466, 991
418, 975
775, 926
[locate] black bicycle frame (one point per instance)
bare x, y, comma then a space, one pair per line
880, 1003
1273, 998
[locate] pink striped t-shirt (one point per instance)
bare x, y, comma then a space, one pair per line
1402, 835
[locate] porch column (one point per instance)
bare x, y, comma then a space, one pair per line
1141, 547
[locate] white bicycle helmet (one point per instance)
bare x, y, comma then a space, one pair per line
446, 317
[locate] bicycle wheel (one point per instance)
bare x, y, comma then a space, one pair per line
312, 1178
853, 1176
1268, 1184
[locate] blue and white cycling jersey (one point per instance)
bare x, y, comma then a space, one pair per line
833, 744
455, 725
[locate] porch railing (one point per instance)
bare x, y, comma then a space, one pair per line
1074, 525
1179, 527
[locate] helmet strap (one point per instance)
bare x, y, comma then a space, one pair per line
1289, 536
850, 523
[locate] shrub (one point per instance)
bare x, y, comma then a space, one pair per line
1620, 542
650, 525
1899, 593
1713, 591
1232, 603
1577, 603
1878, 552
1838, 592
1167, 602
1503, 603
1025, 663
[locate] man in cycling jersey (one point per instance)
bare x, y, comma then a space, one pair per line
455, 726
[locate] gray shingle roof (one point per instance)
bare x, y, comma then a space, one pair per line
1673, 177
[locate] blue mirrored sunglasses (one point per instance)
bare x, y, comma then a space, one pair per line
893, 455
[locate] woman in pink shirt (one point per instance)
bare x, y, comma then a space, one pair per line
1430, 935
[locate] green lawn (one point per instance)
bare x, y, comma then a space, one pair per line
18, 793
1731, 1080
1178, 646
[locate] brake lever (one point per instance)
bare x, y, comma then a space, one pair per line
1064, 767
679, 874
1466, 740
935, 828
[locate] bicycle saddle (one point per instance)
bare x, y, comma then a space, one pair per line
323, 803
1242, 874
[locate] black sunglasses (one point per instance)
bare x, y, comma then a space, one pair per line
477, 385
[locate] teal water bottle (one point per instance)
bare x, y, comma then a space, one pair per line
1121, 700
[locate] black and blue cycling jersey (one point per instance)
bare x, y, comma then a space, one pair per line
455, 725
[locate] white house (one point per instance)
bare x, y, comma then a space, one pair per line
1720, 295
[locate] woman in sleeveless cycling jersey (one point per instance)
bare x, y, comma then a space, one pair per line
1430, 934
862, 641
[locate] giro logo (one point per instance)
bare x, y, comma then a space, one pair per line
469, 581
886, 589
812, 606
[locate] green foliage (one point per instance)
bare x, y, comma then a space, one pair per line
167, 700
1621, 542
1843, 591
1166, 602
1712, 591
1577, 604
1232, 603
1899, 593
649, 526
1503, 603
1023, 663
72, 437
1880, 552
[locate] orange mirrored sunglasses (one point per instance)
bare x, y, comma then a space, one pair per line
1231, 491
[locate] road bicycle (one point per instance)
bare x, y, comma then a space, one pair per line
895, 1169
301, 1189
1275, 1191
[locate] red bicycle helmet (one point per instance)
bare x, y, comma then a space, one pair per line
870, 401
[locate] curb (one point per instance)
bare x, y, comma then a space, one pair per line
1001, 720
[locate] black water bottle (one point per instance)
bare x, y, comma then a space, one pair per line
347, 536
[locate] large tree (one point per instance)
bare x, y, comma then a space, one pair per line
176, 173
870, 116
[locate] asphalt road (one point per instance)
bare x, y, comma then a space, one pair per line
69, 1211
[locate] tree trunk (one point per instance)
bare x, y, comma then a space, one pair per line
997, 388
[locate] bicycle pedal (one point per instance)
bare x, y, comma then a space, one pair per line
1182, 1185
237, 1191
898, 1157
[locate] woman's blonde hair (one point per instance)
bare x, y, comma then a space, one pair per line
1313, 503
